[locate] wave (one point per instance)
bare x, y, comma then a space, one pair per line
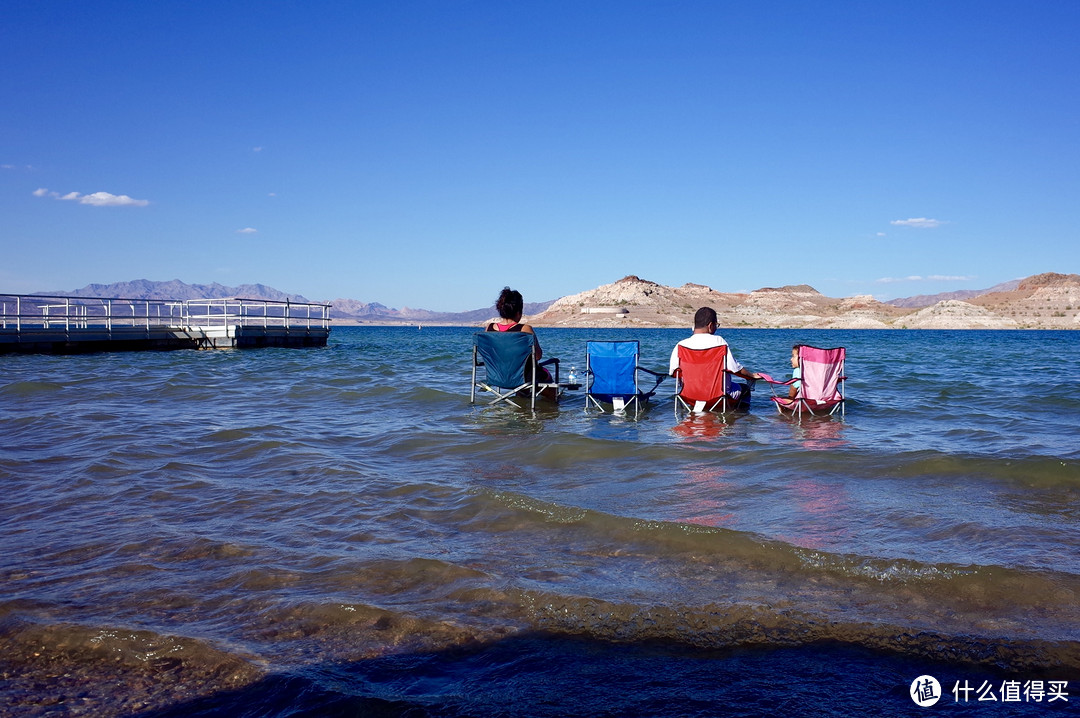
721, 626
1035, 471
701, 561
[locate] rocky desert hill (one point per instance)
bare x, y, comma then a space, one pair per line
1044, 301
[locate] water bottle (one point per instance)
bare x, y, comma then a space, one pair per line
573, 377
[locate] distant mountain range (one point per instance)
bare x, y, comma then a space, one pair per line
175, 289
375, 312
926, 300
1041, 301
345, 309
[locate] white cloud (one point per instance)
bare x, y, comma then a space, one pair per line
104, 199
95, 199
918, 223
256, 149
247, 230
890, 280
919, 278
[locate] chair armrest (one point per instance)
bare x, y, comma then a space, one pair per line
659, 378
549, 362
789, 382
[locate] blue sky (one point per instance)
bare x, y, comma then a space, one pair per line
425, 154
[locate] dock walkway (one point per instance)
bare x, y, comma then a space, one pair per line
34, 323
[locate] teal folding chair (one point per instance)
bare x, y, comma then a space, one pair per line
611, 377
510, 367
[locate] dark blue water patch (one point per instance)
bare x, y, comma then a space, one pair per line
537, 675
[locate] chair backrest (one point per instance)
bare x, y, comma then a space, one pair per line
613, 366
821, 370
505, 355
702, 372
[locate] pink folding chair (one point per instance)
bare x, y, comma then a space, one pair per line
822, 389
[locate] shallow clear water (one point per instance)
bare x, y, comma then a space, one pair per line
335, 530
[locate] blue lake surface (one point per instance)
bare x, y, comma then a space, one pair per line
339, 532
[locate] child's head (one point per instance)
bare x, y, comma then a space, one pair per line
795, 356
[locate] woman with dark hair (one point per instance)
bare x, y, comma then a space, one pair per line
510, 306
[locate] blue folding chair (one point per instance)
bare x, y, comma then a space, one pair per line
611, 377
510, 367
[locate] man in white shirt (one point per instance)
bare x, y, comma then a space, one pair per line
705, 337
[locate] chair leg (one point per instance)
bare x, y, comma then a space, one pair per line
472, 389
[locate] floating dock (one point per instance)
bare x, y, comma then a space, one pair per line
33, 323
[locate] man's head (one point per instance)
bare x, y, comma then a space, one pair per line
705, 320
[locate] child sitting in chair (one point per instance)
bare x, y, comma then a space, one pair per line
796, 372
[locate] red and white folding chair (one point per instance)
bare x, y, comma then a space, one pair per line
700, 382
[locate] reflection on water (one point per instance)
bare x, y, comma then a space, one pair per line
824, 433
822, 507
704, 492
705, 425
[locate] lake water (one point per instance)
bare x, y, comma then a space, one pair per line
339, 532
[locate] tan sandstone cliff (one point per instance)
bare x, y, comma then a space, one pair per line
1044, 301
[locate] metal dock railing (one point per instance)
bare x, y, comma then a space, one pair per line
40, 323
